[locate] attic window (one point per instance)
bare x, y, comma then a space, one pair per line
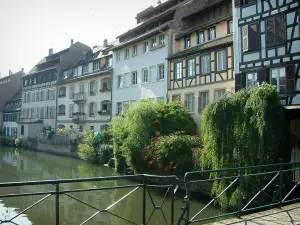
65, 75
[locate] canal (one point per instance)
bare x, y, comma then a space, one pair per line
23, 165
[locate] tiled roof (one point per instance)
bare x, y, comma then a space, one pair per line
211, 44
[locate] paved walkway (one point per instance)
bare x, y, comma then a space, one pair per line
287, 215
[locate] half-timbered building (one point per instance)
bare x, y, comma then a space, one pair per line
201, 62
267, 49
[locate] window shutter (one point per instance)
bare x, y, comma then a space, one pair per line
290, 80
89, 88
237, 3
238, 81
96, 87
263, 76
253, 37
95, 109
89, 109
245, 37
199, 103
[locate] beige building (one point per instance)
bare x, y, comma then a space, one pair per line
201, 62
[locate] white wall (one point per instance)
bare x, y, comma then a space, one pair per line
153, 88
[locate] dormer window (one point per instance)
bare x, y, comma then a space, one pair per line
153, 43
65, 75
85, 69
75, 72
96, 66
187, 42
161, 40
146, 47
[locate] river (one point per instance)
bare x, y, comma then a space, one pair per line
23, 165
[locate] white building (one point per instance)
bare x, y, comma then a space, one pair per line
84, 91
140, 68
39, 90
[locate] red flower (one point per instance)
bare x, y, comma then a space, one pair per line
145, 158
148, 147
157, 133
161, 165
150, 163
156, 121
158, 139
157, 151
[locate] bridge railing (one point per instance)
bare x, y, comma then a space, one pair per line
141, 182
240, 190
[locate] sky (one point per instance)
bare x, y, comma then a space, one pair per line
28, 28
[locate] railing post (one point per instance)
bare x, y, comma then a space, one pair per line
281, 185
172, 200
187, 202
144, 200
57, 203
239, 194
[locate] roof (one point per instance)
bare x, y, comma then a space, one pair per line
143, 36
210, 44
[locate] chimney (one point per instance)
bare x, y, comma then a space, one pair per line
9, 72
50, 51
72, 41
105, 43
158, 2
22, 70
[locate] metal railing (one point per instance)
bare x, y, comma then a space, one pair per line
255, 188
79, 97
58, 191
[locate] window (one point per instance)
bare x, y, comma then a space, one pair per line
161, 40
212, 34
22, 129
46, 112
96, 66
119, 107
91, 127
118, 56
47, 94
71, 91
92, 88
250, 37
105, 107
187, 42
75, 72
71, 110
85, 69
191, 67
25, 98
189, 98
120, 81
108, 61
29, 97
221, 60
201, 37
145, 75
230, 27
126, 53
134, 78
81, 88
42, 113
106, 84
37, 113
32, 113
275, 30
80, 128
203, 100
92, 109
62, 92
146, 47
178, 70
25, 83
61, 110
161, 71
42, 95
153, 43
278, 79
134, 50
65, 75
205, 64
251, 79
52, 112
219, 94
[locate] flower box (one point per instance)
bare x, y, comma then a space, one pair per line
104, 90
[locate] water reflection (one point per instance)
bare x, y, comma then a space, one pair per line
22, 165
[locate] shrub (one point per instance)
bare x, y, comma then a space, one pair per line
64, 131
87, 149
105, 153
133, 129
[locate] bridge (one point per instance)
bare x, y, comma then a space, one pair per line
239, 192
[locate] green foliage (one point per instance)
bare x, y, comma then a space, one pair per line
105, 153
17, 142
244, 129
133, 129
64, 131
171, 153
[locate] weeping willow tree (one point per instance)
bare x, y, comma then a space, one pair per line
244, 129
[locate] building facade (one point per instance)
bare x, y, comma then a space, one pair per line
201, 61
10, 86
84, 91
11, 115
39, 95
140, 67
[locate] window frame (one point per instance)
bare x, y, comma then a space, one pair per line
134, 50
225, 61
59, 92
85, 67
201, 67
178, 69
278, 85
96, 66
134, 77
199, 35
159, 77
146, 47
143, 75
187, 102
253, 83
188, 67
283, 18
120, 81
219, 90
127, 53
209, 33
60, 111
201, 99
161, 40
153, 43
92, 110
229, 27
187, 42
119, 107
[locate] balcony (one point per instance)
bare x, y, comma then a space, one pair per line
78, 118
79, 98
104, 112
